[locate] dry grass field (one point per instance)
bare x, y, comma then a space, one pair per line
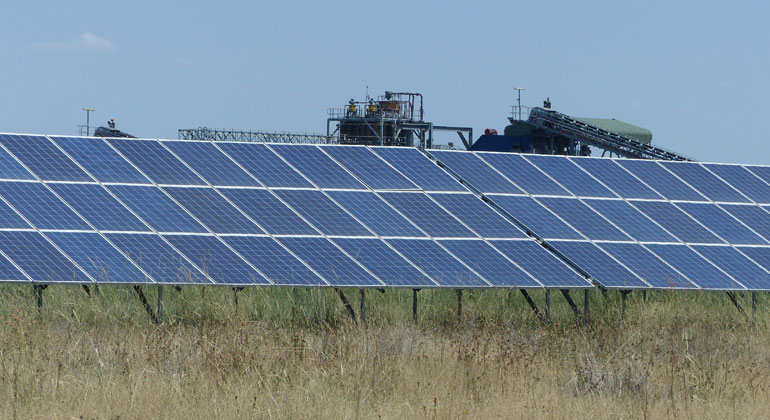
294, 353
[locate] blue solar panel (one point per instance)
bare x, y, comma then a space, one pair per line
599, 265
760, 255
375, 213
541, 264
647, 266
661, 180
741, 268
10, 219
753, 216
97, 206
536, 217
369, 168
98, 258
213, 211
158, 259
41, 207
159, 211
570, 176
419, 168
39, 259
101, 160
216, 260
437, 263
274, 261
331, 263
584, 219
213, 165
317, 166
426, 214
675, 221
475, 172
742, 180
10, 168
721, 223
705, 182
44, 158
323, 213
385, 263
631, 220
264, 164
694, 266
489, 263
616, 178
156, 162
479, 216
9, 272
760, 171
269, 212
523, 173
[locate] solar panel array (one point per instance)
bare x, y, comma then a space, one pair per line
635, 223
137, 211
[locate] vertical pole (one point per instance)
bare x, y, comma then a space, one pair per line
585, 307
644, 296
38, 296
459, 305
548, 304
623, 294
160, 303
362, 316
754, 308
414, 305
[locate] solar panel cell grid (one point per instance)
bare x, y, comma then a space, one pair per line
755, 217
43, 158
155, 208
570, 176
631, 220
721, 223
274, 261
10, 168
541, 264
489, 263
599, 265
158, 259
419, 169
369, 168
216, 260
442, 267
40, 206
101, 160
523, 174
265, 165
39, 259
584, 219
536, 217
676, 222
705, 182
647, 266
331, 263
323, 213
476, 172
385, 263
741, 268
479, 216
317, 166
375, 213
426, 214
10, 219
269, 212
695, 267
742, 180
213, 165
97, 206
616, 178
661, 180
98, 258
156, 162
213, 211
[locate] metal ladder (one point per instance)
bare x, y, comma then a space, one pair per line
558, 123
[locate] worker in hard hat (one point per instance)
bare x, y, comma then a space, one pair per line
111, 123
547, 103
352, 109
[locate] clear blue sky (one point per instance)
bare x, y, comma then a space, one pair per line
695, 73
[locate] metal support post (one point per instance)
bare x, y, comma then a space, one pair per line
734, 300
414, 305
623, 294
532, 304
235, 295
754, 308
572, 305
459, 305
147, 307
38, 288
87, 290
548, 304
586, 312
362, 311
160, 303
644, 296
346, 303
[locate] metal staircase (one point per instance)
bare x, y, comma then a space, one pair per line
558, 123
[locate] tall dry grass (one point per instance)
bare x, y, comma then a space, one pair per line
295, 354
